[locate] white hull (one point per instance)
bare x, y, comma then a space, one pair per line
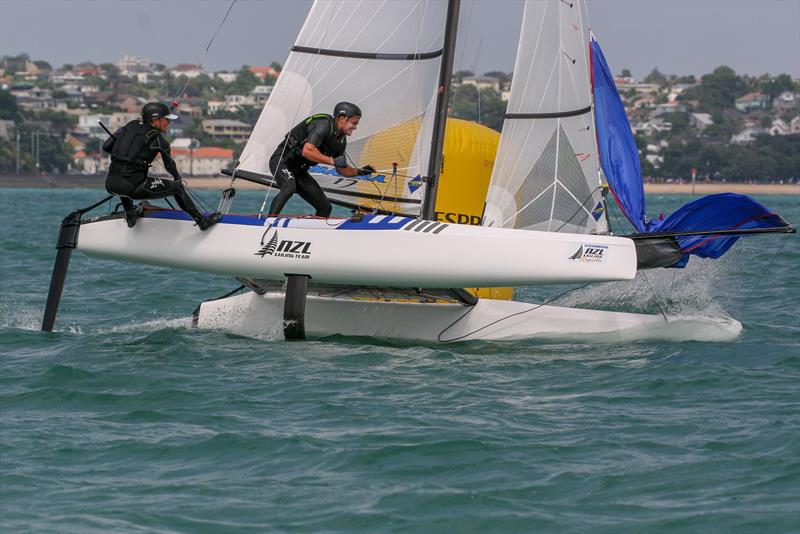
380, 250
261, 316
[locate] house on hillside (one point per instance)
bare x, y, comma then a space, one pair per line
227, 129
753, 101
786, 101
264, 72
260, 94
700, 121
483, 82
226, 77
189, 70
748, 135
202, 161
794, 125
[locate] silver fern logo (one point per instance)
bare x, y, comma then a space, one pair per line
590, 253
285, 248
269, 248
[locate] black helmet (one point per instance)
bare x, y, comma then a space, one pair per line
156, 110
346, 110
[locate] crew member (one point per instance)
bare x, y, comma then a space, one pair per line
320, 138
133, 148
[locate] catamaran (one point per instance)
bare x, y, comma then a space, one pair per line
402, 267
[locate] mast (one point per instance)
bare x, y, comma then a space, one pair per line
440, 117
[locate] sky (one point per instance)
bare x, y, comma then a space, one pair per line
676, 36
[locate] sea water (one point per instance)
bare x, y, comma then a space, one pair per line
126, 419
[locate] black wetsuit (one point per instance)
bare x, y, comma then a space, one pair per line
133, 148
290, 168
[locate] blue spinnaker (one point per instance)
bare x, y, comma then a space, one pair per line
721, 211
619, 158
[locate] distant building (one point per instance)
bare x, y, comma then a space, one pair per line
700, 121
202, 161
260, 94
264, 72
482, 82
188, 69
786, 101
670, 107
120, 119
752, 101
90, 125
226, 77
794, 125
227, 129
130, 65
748, 135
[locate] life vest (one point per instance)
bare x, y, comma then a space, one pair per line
132, 145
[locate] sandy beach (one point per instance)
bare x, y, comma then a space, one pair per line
211, 182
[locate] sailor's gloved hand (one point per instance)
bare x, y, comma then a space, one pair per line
366, 170
340, 161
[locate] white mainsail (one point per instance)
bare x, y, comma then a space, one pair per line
383, 56
545, 176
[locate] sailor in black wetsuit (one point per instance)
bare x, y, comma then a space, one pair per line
320, 138
133, 148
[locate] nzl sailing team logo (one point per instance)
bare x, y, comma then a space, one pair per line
590, 253
285, 248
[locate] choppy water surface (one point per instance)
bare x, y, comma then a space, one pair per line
127, 419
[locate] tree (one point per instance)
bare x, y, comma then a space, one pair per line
8, 106
93, 145
61, 122
244, 83
656, 77
626, 73
500, 75
720, 89
42, 147
277, 66
775, 86
459, 75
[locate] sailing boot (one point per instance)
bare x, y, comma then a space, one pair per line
131, 216
204, 223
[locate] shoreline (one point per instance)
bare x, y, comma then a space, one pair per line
211, 182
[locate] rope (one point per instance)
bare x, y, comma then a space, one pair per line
208, 47
535, 307
662, 309
771, 262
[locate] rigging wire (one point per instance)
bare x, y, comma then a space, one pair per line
208, 47
484, 327
661, 308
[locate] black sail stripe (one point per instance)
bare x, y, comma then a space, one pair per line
423, 226
431, 227
551, 115
413, 224
366, 55
442, 227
